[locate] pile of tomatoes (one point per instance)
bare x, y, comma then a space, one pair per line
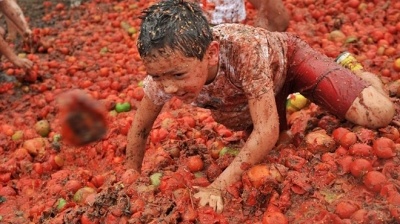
326, 170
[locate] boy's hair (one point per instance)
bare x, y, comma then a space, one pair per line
177, 25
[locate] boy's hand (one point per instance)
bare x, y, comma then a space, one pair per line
210, 196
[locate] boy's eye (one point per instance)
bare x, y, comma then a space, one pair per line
155, 77
179, 75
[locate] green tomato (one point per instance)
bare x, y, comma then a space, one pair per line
123, 107
296, 102
57, 138
61, 202
140, 84
18, 135
155, 179
228, 151
42, 127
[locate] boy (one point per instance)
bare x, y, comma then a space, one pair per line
243, 75
14, 16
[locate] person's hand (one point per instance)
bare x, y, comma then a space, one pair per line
28, 40
210, 196
83, 119
23, 63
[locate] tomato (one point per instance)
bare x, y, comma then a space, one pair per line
383, 148
274, 218
360, 216
194, 163
82, 194
345, 209
360, 149
129, 177
390, 132
339, 132
7, 191
72, 186
37, 167
138, 93
348, 139
85, 219
353, 3
396, 65
215, 148
7, 129
213, 171
319, 142
374, 180
341, 151
360, 166
98, 180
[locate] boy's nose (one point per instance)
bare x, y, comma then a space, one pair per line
170, 88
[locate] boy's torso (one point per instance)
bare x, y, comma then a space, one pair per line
252, 61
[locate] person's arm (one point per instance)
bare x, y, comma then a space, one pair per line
139, 131
13, 12
12, 57
262, 139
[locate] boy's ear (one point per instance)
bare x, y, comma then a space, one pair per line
212, 53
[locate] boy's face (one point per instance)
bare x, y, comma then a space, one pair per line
181, 76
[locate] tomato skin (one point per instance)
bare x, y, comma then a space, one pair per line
348, 139
345, 209
360, 166
359, 216
338, 133
384, 148
86, 220
344, 163
194, 163
274, 217
98, 180
374, 180
360, 149
7, 191
72, 186
138, 93
129, 177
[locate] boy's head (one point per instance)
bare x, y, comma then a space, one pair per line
174, 25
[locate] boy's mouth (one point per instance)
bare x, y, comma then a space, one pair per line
181, 96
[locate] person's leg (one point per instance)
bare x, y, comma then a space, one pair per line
337, 89
371, 109
271, 14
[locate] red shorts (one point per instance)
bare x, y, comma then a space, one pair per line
320, 79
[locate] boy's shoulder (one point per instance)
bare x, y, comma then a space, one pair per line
240, 31
232, 28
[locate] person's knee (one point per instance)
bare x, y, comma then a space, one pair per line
371, 109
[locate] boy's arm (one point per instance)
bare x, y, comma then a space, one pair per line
139, 131
262, 139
